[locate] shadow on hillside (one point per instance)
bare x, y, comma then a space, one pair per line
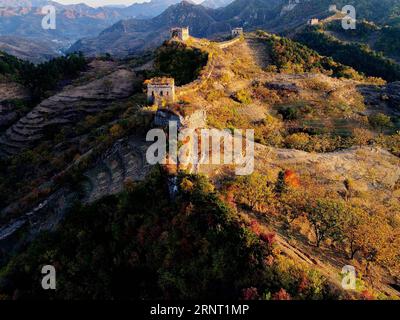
381, 98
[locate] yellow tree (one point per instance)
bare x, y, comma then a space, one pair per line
326, 218
254, 191
379, 243
356, 221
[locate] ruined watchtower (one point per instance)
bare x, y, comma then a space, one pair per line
313, 22
181, 34
160, 89
237, 32
333, 8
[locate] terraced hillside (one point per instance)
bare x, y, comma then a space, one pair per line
66, 107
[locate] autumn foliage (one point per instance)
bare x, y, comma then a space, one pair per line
291, 179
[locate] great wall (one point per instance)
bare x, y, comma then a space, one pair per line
207, 71
124, 161
66, 107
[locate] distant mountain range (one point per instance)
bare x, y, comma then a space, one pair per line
26, 49
121, 31
20, 21
133, 35
280, 16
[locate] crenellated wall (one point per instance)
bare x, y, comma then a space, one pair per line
226, 44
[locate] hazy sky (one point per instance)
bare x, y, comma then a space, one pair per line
97, 3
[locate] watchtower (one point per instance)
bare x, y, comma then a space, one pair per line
237, 32
181, 34
160, 89
333, 8
313, 22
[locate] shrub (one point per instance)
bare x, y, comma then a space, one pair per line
243, 96
298, 141
380, 121
116, 131
289, 113
361, 136
281, 295
390, 142
269, 131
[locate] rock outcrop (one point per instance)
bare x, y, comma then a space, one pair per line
393, 92
124, 162
385, 98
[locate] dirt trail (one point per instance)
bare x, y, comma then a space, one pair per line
258, 51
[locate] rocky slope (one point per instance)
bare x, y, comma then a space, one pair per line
32, 50
123, 163
65, 107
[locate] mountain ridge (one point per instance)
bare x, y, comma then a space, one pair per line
22, 20
135, 35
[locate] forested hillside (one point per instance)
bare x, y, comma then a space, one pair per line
132, 247
44, 77
358, 56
